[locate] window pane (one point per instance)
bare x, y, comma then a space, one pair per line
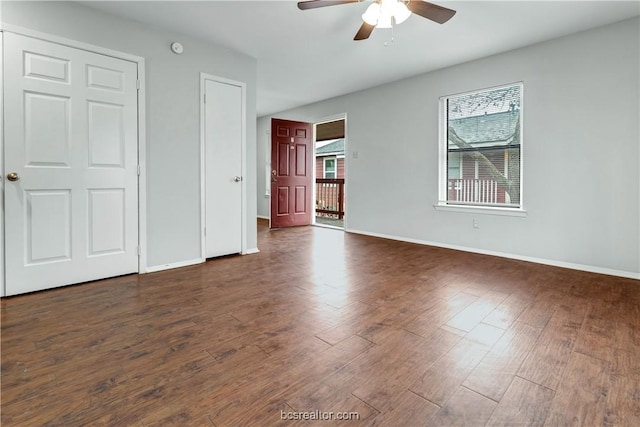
453, 165
330, 168
330, 164
483, 178
483, 147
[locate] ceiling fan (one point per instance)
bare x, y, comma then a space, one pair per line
386, 13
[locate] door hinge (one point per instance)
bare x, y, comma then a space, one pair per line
205, 231
138, 84
139, 250
205, 98
138, 170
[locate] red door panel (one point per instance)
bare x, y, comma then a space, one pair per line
283, 201
282, 130
283, 159
291, 173
301, 160
301, 199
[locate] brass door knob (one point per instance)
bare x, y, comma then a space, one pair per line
13, 177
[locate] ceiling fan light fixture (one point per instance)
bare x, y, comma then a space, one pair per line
381, 13
372, 14
387, 10
401, 12
384, 21
386, 13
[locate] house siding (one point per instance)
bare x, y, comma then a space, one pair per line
320, 167
468, 166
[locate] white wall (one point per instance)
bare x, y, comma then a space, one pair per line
173, 114
581, 147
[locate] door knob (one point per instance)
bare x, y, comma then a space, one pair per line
237, 178
13, 177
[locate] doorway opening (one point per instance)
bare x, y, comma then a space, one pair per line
329, 159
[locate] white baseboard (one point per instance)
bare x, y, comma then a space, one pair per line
263, 217
155, 268
554, 263
251, 251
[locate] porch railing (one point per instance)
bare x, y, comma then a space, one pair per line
473, 190
330, 197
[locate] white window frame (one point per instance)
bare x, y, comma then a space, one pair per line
442, 204
335, 167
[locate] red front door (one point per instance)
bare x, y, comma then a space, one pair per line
291, 173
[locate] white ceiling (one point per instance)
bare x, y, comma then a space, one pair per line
307, 56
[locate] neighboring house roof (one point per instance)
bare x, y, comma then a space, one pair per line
487, 130
333, 148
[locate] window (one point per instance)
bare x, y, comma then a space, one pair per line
481, 148
330, 168
453, 166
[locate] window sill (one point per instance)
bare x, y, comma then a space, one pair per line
486, 210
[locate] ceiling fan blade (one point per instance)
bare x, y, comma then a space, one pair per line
364, 32
313, 4
431, 11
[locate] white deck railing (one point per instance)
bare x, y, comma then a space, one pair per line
473, 190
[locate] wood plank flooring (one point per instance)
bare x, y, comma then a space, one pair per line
323, 324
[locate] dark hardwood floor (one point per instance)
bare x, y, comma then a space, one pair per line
338, 325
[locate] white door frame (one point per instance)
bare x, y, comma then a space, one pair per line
332, 118
2, 243
142, 180
203, 166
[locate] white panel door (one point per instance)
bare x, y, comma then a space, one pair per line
223, 168
71, 140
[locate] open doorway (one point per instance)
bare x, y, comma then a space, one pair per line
330, 201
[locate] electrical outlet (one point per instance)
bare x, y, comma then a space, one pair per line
476, 224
